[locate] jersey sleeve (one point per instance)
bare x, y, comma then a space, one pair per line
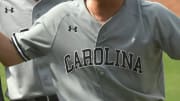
167, 29
38, 40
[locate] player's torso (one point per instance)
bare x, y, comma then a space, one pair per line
16, 16
106, 62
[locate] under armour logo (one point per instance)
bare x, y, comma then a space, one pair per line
74, 28
9, 10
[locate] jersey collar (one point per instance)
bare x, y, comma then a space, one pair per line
130, 8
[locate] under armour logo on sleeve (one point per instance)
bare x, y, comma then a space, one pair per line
9, 10
73, 28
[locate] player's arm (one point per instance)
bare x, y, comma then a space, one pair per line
36, 42
8, 53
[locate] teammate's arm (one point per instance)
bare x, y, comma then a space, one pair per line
8, 53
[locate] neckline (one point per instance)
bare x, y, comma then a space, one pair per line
91, 13
130, 7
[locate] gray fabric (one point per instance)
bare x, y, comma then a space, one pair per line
32, 78
43, 7
118, 61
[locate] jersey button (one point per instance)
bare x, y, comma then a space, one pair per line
101, 73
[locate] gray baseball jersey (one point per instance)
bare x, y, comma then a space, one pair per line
118, 61
26, 80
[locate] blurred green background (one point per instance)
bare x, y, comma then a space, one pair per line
172, 79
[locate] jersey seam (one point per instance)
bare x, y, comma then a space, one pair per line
45, 27
57, 31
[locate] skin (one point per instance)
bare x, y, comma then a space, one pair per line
102, 10
8, 54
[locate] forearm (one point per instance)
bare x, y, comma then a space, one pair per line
8, 53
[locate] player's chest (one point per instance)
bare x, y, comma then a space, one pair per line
80, 44
78, 34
